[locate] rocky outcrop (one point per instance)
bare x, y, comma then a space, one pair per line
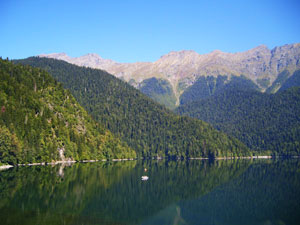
185, 67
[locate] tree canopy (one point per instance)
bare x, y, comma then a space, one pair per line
144, 125
39, 117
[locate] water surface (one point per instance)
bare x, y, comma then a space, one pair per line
177, 192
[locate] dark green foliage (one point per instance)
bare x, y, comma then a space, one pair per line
264, 82
205, 87
104, 193
38, 117
261, 121
267, 193
146, 126
293, 81
160, 90
9, 147
234, 192
280, 80
199, 90
238, 83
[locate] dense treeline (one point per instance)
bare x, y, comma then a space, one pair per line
261, 121
42, 122
293, 81
159, 90
205, 87
146, 126
280, 80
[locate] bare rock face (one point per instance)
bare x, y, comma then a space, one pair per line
185, 67
285, 57
89, 60
60, 56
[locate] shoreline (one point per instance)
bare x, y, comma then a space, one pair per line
131, 159
249, 157
5, 167
238, 157
64, 162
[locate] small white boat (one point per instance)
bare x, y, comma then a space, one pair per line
145, 177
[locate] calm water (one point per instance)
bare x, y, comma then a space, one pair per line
188, 192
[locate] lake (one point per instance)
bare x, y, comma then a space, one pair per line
261, 191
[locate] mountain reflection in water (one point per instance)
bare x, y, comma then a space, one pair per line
177, 192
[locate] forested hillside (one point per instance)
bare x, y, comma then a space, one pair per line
159, 90
280, 80
181, 70
205, 87
261, 121
146, 126
293, 81
40, 121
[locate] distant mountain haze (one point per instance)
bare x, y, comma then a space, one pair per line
180, 70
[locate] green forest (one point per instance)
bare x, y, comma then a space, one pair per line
262, 121
292, 81
144, 125
160, 91
205, 87
39, 118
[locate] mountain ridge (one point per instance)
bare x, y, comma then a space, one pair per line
146, 126
182, 68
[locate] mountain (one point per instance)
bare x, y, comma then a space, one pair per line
42, 122
146, 126
260, 120
208, 86
182, 69
293, 81
159, 90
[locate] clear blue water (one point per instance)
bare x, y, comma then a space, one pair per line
177, 192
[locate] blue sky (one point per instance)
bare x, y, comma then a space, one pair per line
144, 30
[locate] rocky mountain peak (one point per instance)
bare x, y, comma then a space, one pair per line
178, 54
92, 55
61, 56
216, 52
183, 68
260, 48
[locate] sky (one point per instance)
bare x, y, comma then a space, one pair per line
144, 30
